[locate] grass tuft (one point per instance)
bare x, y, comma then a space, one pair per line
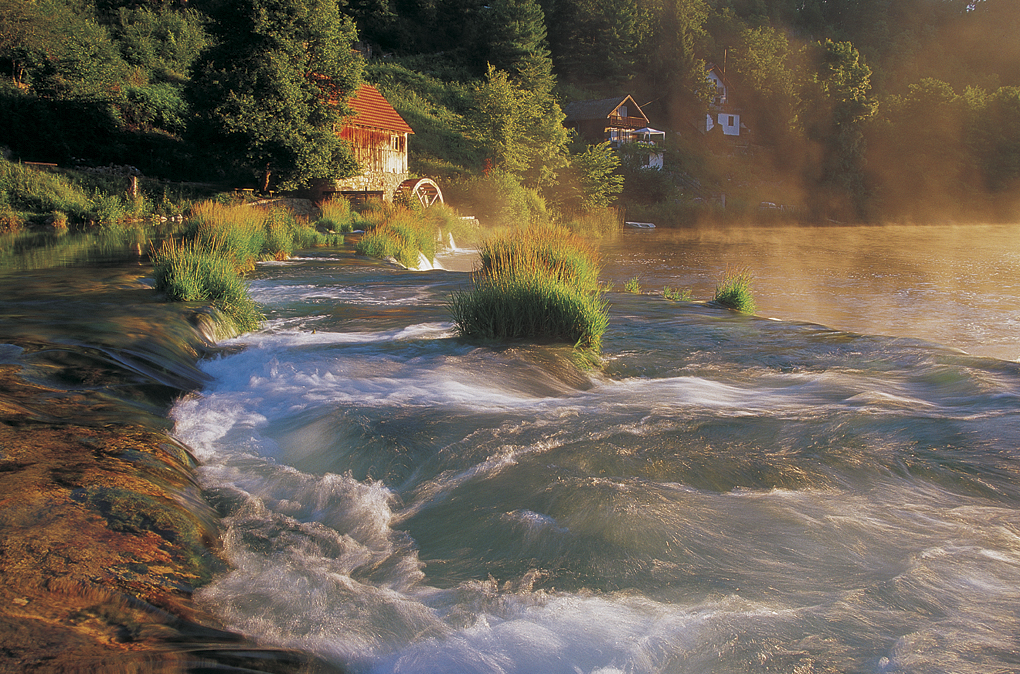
734, 291
537, 283
677, 294
189, 272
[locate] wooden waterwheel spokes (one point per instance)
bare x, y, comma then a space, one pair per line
425, 190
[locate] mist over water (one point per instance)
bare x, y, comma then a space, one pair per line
832, 491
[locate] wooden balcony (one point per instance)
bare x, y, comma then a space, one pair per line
627, 122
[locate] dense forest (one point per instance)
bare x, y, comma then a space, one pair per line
855, 110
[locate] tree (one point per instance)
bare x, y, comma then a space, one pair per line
515, 36
919, 152
271, 94
597, 40
835, 104
521, 126
594, 181
677, 72
762, 65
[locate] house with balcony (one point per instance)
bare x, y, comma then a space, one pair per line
618, 120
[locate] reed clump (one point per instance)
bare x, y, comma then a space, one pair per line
677, 294
734, 291
187, 271
406, 234
540, 282
598, 223
337, 216
222, 243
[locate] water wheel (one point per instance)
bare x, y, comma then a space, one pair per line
426, 191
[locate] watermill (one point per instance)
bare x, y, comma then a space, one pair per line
423, 190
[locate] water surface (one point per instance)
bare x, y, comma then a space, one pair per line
833, 491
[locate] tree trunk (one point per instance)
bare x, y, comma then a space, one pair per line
265, 180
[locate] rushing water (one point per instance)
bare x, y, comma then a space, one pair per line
835, 491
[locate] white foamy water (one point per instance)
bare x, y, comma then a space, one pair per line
727, 495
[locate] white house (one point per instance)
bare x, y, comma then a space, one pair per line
720, 112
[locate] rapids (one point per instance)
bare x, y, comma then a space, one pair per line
831, 486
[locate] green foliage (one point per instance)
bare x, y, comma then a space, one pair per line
673, 62
521, 126
592, 182
735, 291
160, 106
835, 103
763, 67
403, 234
632, 286
598, 40
164, 43
535, 283
190, 272
274, 87
677, 294
498, 200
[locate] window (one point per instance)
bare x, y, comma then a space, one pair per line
396, 142
622, 110
731, 123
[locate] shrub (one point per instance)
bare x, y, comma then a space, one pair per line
596, 224
498, 200
734, 291
632, 286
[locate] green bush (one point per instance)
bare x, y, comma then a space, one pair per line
632, 286
498, 200
734, 291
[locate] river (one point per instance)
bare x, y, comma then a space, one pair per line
829, 486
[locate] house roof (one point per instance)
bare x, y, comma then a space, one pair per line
601, 109
373, 111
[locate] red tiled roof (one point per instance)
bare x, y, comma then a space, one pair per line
373, 111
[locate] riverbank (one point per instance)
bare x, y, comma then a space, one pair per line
104, 532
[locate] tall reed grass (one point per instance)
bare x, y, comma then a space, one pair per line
336, 215
601, 223
221, 243
188, 272
734, 291
541, 283
405, 234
